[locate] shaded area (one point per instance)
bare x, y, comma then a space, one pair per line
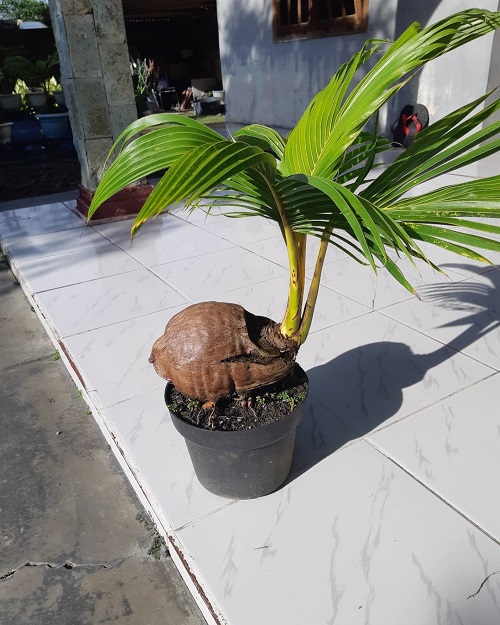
47, 172
367, 384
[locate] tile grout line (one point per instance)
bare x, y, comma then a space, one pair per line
432, 491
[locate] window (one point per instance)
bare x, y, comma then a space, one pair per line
305, 19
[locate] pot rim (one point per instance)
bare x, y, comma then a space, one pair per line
239, 440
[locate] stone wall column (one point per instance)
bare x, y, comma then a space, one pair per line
95, 76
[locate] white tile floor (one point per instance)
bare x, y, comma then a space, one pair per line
391, 513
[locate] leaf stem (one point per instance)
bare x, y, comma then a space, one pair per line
295, 245
312, 296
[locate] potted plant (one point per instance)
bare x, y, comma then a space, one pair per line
36, 74
315, 182
143, 77
9, 100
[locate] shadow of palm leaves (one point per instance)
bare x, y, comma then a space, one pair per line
364, 387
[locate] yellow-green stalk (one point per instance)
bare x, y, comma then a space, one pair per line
312, 296
295, 245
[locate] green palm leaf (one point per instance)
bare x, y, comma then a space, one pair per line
263, 137
160, 119
325, 132
476, 198
309, 183
197, 172
437, 150
149, 153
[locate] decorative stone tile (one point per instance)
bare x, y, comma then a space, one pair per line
109, 23
92, 107
116, 73
96, 151
68, 85
113, 360
453, 447
211, 274
352, 540
162, 240
98, 303
121, 116
372, 371
76, 7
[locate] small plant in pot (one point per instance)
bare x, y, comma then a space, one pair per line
36, 74
9, 99
316, 182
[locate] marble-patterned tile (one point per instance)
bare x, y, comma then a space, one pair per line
465, 316
372, 370
26, 247
319, 434
16, 214
269, 299
38, 220
159, 456
163, 240
83, 265
90, 305
352, 540
376, 291
453, 447
205, 277
113, 360
244, 230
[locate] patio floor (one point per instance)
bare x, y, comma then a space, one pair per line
391, 513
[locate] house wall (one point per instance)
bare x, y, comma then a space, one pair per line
272, 83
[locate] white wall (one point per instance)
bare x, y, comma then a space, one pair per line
272, 83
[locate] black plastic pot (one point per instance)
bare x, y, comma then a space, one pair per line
243, 464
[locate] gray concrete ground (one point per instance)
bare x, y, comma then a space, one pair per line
74, 540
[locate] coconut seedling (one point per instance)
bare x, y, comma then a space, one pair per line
316, 182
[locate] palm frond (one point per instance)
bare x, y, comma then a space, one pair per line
476, 198
444, 146
324, 133
158, 149
198, 171
263, 137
